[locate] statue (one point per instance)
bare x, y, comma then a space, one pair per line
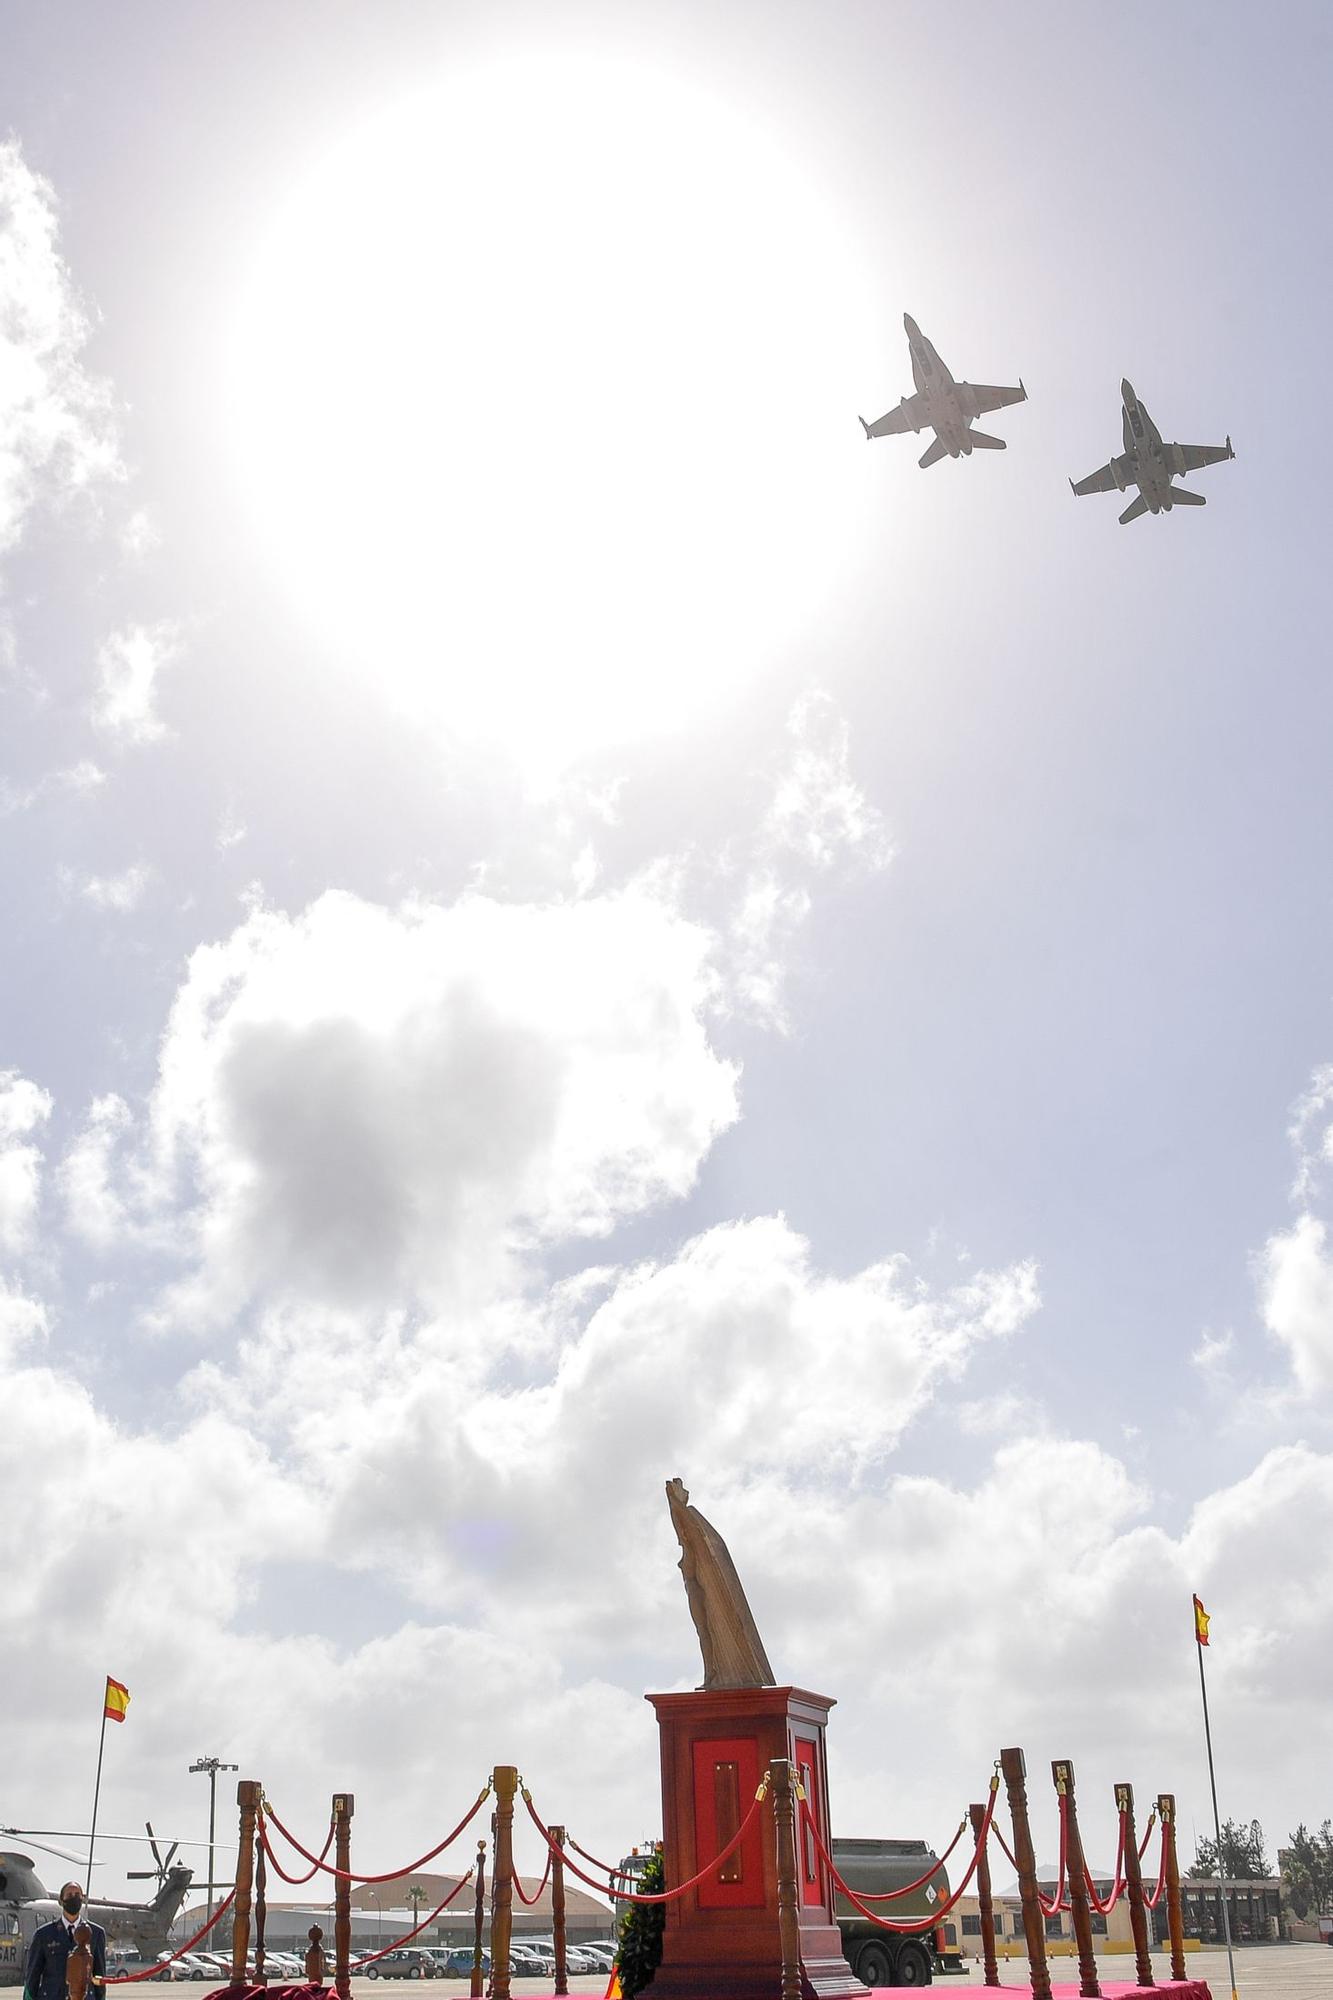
734, 1655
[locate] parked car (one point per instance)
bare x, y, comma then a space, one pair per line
407, 1963
458, 1962
195, 1966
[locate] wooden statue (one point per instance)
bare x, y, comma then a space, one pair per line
734, 1655
79, 1964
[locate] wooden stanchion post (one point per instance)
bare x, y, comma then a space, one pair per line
478, 1986
1166, 1813
558, 1910
261, 1896
1063, 1773
343, 1807
782, 1780
502, 1879
248, 1794
1138, 1914
1014, 1768
977, 1814
316, 1958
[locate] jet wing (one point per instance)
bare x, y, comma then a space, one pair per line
1113, 477
909, 415
1189, 457
996, 399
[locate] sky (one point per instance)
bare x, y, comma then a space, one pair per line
569, 921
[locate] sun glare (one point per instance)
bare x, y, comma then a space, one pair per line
538, 403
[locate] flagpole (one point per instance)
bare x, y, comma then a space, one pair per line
92, 1836
1217, 1823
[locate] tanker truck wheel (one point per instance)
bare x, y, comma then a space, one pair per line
874, 1965
913, 1966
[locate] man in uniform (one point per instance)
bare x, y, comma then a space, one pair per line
48, 1954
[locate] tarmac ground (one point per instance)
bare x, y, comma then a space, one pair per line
1263, 1972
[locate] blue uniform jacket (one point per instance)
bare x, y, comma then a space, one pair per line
44, 1978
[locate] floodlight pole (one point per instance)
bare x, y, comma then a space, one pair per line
212, 1765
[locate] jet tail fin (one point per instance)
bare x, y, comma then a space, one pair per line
1181, 496
987, 442
1132, 512
933, 455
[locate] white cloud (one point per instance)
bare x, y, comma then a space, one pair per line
1311, 1132
1296, 1299
75, 780
140, 537
359, 1104
24, 1109
818, 811
119, 893
22, 1320
129, 664
57, 432
817, 820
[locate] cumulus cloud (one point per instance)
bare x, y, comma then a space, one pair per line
359, 1104
817, 822
1296, 1298
24, 1109
57, 431
129, 664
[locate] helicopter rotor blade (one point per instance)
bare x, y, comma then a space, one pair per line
170, 1855
153, 1844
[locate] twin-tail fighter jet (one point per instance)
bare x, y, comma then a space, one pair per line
942, 405
1151, 465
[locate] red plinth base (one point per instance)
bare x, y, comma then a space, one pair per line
1112, 1989
721, 1940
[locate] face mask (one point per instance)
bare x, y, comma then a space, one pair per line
71, 1905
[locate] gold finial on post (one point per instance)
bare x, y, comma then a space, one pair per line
977, 1815
1014, 1768
1166, 1813
502, 1879
344, 1805
249, 1792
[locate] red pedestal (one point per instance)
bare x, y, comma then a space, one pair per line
721, 1938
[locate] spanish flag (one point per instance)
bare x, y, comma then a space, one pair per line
118, 1699
1200, 1623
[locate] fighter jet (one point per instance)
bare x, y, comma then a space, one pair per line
1151, 465
942, 405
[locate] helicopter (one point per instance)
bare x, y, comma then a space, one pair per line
26, 1904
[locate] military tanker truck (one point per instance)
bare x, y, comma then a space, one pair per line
888, 1958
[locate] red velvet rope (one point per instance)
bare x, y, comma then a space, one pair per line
129, 1978
889, 1895
1157, 1894
417, 1929
667, 1895
1147, 1833
1049, 1905
886, 1923
610, 1868
297, 1880
1005, 1849
393, 1874
1104, 1909
518, 1886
